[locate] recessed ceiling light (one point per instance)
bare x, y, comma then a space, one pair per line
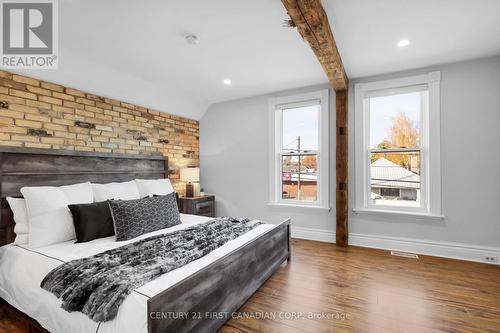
227, 82
403, 43
192, 39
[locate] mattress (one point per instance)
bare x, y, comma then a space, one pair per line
22, 270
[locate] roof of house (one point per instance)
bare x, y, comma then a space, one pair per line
385, 173
304, 177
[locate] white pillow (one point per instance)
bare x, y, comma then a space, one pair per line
18, 207
117, 191
50, 220
148, 187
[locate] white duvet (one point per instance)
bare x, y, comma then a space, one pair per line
22, 270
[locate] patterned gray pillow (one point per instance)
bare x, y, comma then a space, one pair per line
133, 218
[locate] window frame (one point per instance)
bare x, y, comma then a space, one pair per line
276, 107
430, 173
423, 131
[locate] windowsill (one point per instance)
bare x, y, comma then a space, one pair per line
295, 206
387, 212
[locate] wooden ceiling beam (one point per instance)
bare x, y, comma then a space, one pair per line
312, 23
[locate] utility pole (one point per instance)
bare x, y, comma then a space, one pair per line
298, 179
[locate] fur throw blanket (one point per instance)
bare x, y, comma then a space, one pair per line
97, 285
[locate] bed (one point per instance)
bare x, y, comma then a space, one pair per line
198, 297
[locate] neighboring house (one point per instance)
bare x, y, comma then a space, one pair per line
308, 185
391, 181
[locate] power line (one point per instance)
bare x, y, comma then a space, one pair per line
290, 143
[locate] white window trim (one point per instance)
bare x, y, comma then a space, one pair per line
275, 119
430, 147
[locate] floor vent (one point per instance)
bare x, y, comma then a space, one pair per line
404, 254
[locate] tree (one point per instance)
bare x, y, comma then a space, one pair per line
309, 162
288, 164
403, 133
385, 144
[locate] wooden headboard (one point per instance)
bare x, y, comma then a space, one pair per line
21, 167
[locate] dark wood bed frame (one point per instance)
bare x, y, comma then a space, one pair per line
209, 296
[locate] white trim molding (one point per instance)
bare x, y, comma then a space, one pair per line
389, 213
450, 250
319, 235
276, 107
430, 144
301, 208
425, 247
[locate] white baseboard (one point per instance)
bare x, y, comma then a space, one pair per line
319, 235
432, 248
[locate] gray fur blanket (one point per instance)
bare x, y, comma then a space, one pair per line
98, 285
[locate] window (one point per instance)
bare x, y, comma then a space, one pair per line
299, 154
397, 145
390, 192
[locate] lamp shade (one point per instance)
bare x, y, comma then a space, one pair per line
190, 175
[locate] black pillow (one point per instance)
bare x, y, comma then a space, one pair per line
92, 221
133, 218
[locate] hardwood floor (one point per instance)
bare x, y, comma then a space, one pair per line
375, 292
14, 321
360, 290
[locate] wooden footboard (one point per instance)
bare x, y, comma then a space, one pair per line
204, 301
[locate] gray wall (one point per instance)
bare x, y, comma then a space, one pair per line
234, 143
470, 159
234, 157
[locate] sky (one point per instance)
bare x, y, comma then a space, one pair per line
301, 122
384, 109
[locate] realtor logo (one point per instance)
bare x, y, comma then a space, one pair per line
29, 34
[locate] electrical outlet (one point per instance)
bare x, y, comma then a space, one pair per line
491, 259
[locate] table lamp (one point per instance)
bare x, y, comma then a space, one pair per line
190, 176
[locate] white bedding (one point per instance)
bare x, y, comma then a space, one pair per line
22, 270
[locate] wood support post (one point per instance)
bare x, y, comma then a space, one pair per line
312, 23
341, 167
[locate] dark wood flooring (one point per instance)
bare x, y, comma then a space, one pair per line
359, 290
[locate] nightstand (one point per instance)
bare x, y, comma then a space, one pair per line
204, 205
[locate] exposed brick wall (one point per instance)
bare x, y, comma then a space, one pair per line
40, 114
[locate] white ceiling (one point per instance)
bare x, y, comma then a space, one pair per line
135, 51
440, 31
